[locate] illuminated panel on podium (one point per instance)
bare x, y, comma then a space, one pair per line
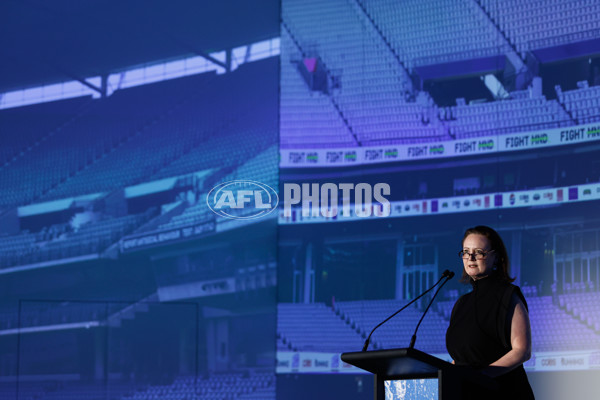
412, 389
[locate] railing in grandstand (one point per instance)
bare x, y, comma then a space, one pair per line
511, 129
460, 56
570, 37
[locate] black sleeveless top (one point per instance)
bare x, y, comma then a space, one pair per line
479, 334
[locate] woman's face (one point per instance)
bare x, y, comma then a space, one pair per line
474, 244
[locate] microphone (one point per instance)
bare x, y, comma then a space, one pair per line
446, 274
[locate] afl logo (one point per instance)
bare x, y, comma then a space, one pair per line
242, 199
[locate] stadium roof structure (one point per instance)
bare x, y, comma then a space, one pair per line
44, 42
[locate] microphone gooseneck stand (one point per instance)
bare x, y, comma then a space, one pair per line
414, 336
446, 274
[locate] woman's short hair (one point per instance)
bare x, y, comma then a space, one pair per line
502, 263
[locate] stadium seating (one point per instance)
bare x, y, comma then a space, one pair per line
374, 87
65, 390
539, 24
86, 391
263, 167
508, 116
26, 390
444, 308
398, 331
306, 117
190, 126
103, 127
300, 326
260, 394
315, 327
14, 247
136, 134
374, 103
529, 291
54, 313
583, 103
436, 31
91, 238
26, 127
193, 214
553, 329
584, 307
251, 385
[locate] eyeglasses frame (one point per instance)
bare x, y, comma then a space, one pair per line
484, 254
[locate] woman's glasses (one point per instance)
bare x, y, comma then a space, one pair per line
478, 254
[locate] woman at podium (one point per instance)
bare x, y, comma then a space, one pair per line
489, 327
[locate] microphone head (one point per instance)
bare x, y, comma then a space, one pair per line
448, 273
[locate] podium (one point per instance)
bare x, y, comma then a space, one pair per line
410, 364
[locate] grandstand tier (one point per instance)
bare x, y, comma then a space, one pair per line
371, 98
570, 326
137, 134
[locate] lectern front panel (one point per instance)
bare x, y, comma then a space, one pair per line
412, 389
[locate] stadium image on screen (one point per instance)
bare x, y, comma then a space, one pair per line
216, 200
